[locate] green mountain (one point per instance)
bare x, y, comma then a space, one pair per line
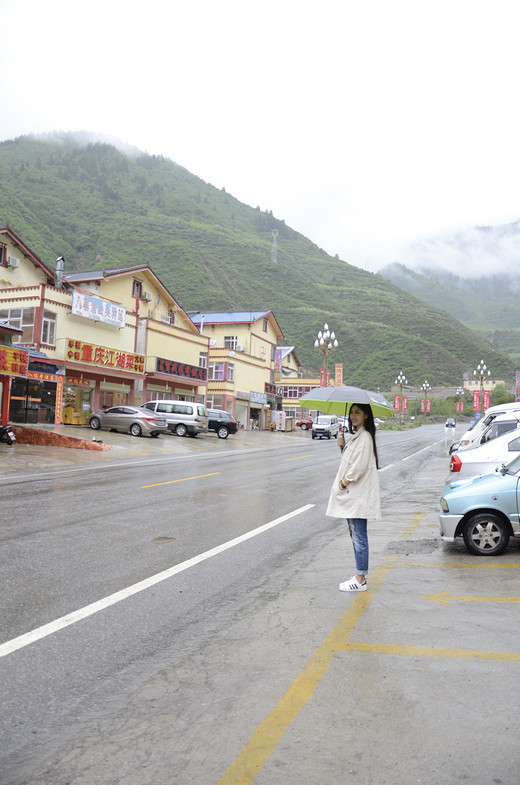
100, 207
488, 305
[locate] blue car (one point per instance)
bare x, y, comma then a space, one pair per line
483, 510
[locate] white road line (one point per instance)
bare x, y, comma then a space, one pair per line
416, 453
71, 618
388, 466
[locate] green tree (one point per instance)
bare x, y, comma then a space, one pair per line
499, 394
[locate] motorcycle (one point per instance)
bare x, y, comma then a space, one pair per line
7, 434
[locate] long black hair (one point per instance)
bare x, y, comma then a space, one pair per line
370, 426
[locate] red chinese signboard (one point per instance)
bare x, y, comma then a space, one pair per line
13, 362
338, 369
486, 399
397, 403
175, 368
476, 400
405, 402
81, 352
322, 377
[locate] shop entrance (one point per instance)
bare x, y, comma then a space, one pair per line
32, 401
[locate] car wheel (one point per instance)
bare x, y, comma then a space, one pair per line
155, 434
329, 436
95, 423
304, 426
192, 434
181, 430
222, 432
486, 534
313, 435
135, 429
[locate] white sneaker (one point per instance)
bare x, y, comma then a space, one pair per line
353, 585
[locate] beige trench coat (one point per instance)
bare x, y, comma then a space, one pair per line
360, 499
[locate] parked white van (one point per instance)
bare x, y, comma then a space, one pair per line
471, 437
182, 417
325, 425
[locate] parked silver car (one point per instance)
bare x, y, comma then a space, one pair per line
130, 419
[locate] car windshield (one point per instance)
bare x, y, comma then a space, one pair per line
513, 467
322, 420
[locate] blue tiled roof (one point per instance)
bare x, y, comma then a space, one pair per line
228, 316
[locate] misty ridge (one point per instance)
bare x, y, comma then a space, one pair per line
481, 252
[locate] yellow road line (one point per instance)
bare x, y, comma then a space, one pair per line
181, 479
298, 457
431, 651
414, 523
253, 756
445, 597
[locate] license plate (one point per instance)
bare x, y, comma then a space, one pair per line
204, 426
161, 422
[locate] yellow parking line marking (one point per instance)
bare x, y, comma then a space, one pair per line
462, 566
414, 523
445, 597
299, 457
267, 736
431, 651
181, 479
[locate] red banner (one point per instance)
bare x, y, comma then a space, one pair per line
486, 399
422, 404
476, 400
405, 403
338, 368
397, 402
322, 377
428, 405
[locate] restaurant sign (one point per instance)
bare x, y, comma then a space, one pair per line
102, 356
91, 307
13, 362
175, 368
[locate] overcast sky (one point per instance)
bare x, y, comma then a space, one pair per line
364, 125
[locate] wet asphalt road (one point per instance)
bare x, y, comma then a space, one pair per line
235, 666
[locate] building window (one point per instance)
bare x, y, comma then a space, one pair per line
22, 318
215, 372
3, 256
203, 359
137, 289
49, 328
231, 372
291, 392
169, 317
264, 326
230, 342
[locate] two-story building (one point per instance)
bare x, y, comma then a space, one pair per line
97, 338
241, 364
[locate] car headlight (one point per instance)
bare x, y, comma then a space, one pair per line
444, 505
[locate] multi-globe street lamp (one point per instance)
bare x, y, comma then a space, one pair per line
325, 344
425, 387
401, 380
481, 373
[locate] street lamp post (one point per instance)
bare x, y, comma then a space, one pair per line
325, 344
401, 380
425, 387
481, 373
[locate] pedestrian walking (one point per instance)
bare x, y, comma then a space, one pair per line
355, 491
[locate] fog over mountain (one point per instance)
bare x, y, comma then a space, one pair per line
473, 252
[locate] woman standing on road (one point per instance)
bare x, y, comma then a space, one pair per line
355, 492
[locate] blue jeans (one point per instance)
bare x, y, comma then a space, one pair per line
359, 537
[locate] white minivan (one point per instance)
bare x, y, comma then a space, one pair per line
325, 425
182, 417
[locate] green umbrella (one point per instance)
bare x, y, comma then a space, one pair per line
338, 400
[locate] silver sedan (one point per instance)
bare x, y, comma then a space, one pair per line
130, 419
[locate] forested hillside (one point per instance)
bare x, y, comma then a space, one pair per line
488, 305
99, 207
